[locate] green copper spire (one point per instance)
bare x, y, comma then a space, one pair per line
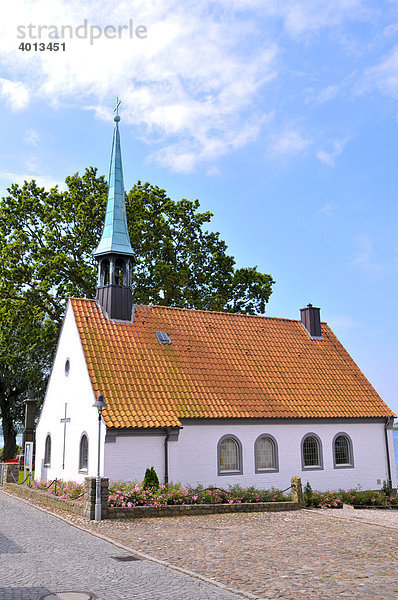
115, 236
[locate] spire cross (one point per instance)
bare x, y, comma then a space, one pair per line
118, 103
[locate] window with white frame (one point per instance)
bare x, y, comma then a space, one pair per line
311, 452
83, 453
229, 455
342, 451
47, 451
266, 453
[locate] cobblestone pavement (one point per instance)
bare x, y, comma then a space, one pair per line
311, 555
303, 555
40, 554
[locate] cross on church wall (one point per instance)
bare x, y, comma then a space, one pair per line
65, 420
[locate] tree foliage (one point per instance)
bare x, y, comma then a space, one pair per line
46, 244
26, 349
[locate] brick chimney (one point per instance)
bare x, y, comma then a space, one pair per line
311, 321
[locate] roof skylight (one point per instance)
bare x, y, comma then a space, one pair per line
162, 337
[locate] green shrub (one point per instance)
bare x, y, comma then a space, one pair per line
387, 489
151, 480
308, 493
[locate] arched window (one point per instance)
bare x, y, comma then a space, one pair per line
311, 452
83, 453
265, 453
119, 267
47, 451
229, 456
342, 451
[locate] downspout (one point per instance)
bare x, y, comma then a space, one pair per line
166, 455
388, 421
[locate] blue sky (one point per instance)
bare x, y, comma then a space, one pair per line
281, 117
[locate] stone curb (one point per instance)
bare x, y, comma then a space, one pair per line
141, 554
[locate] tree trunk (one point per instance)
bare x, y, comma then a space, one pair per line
9, 433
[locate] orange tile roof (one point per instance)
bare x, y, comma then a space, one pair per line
218, 365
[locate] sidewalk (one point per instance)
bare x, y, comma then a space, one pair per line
40, 554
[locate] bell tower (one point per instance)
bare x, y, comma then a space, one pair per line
114, 252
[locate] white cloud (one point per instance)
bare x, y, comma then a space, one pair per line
190, 88
365, 255
31, 138
187, 88
289, 142
328, 93
383, 76
15, 92
342, 322
42, 180
303, 16
329, 158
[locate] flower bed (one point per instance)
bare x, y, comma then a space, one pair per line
130, 494
356, 497
64, 490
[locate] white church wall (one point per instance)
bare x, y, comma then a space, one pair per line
76, 392
197, 455
128, 457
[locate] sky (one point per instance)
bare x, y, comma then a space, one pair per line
281, 117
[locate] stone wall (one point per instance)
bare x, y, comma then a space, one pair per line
85, 508
139, 512
45, 499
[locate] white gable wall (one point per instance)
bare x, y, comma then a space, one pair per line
75, 390
193, 458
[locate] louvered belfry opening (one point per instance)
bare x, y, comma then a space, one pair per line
311, 320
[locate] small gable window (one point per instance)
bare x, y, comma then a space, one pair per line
311, 452
83, 453
229, 456
47, 451
342, 451
266, 453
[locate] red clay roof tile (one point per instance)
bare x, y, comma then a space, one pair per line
218, 365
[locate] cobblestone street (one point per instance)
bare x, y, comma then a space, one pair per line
311, 555
40, 554
296, 556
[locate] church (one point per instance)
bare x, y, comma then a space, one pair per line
203, 397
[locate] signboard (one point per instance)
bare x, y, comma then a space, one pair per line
28, 459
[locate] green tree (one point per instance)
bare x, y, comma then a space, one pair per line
46, 242
26, 347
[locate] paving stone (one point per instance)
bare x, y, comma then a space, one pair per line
305, 555
42, 555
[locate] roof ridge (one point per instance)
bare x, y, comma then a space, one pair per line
203, 310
